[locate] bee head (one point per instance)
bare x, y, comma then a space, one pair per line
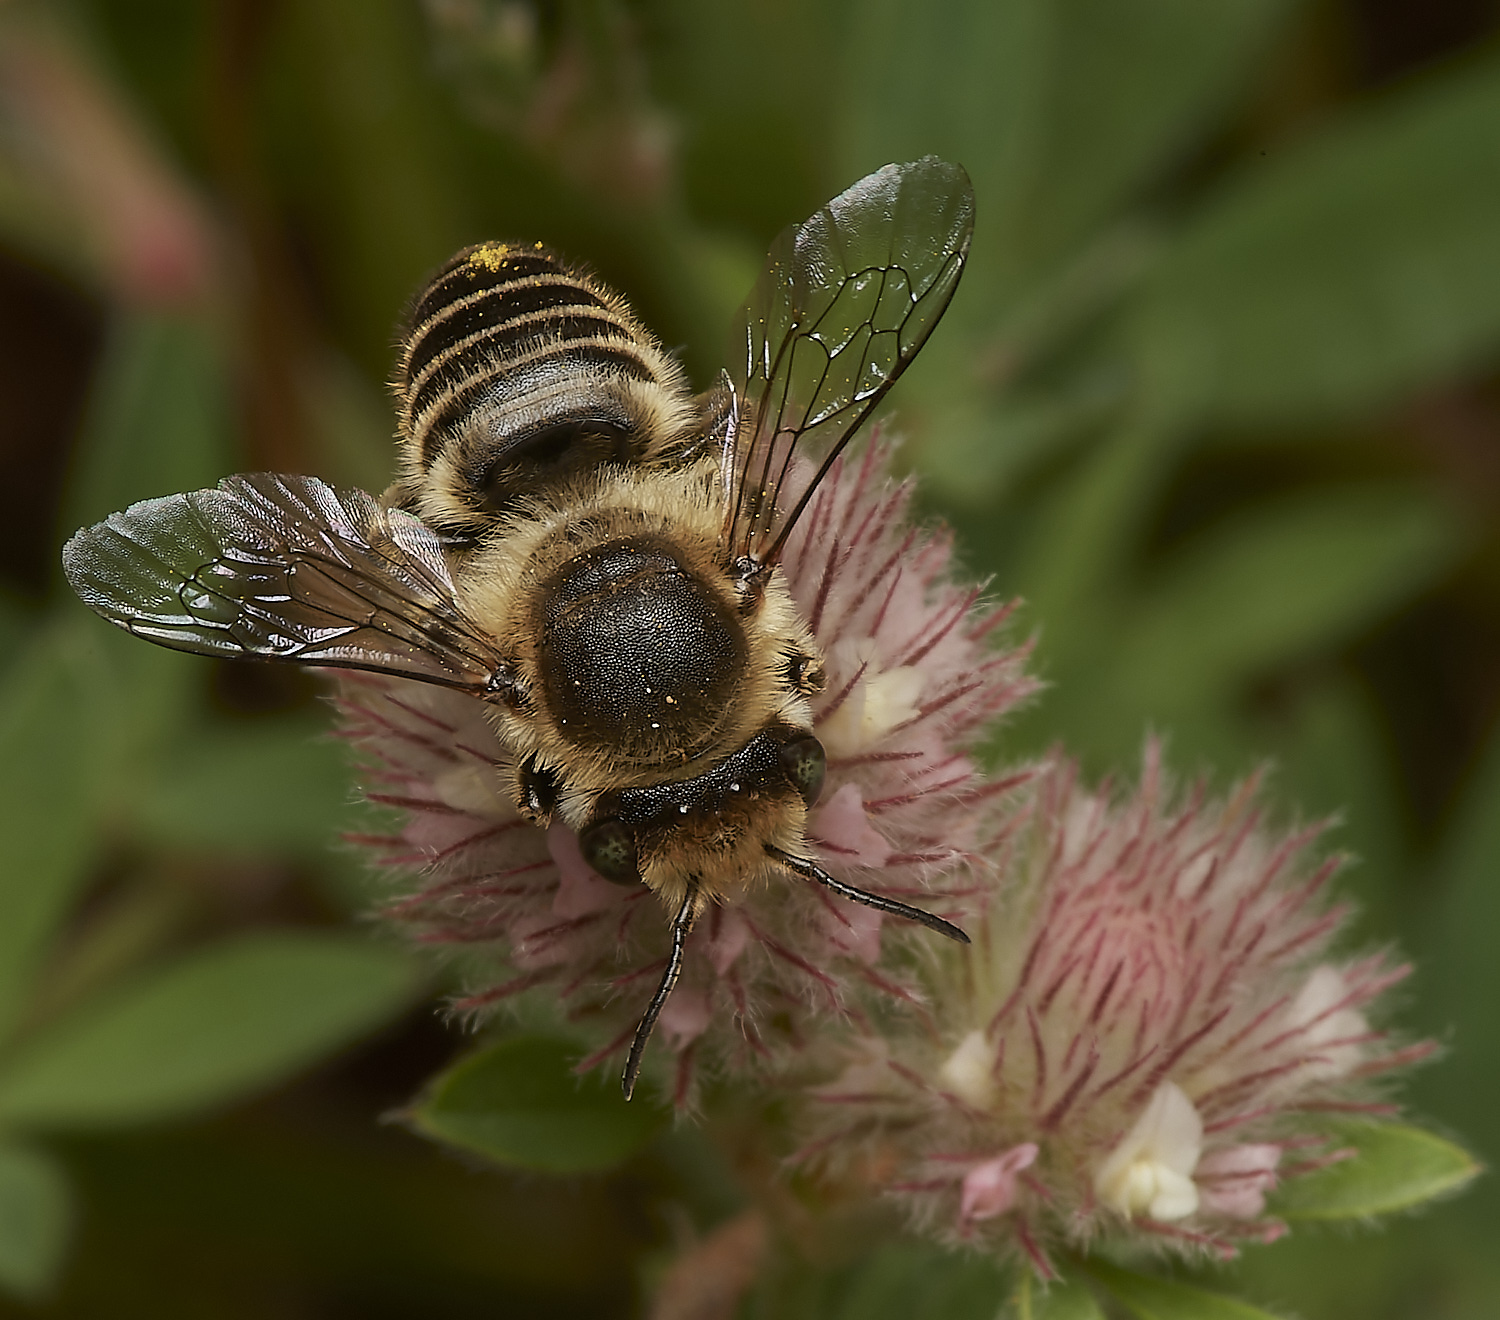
758, 795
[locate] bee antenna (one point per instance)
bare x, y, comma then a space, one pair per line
811, 871
681, 924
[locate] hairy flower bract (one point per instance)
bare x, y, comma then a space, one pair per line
913, 679
1150, 1031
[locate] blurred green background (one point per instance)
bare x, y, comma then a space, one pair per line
1219, 398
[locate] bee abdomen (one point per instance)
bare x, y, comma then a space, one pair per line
499, 309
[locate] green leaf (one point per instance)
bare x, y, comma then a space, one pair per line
1132, 85
381, 161
45, 741
519, 1103
907, 1282
911, 90
260, 787
134, 699
14, 629
220, 1023
1333, 754
1059, 110
1161, 1299
1349, 270
1282, 581
749, 80
1063, 1300
1285, 580
896, 1281
976, 454
158, 421
36, 1214
1085, 534
1459, 976
1397, 1167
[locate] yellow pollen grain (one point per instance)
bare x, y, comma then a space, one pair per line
490, 257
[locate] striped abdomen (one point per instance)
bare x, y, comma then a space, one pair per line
516, 365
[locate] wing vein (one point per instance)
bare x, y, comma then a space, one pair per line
860, 285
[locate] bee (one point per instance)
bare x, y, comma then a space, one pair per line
580, 542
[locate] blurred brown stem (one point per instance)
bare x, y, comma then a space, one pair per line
708, 1280
136, 217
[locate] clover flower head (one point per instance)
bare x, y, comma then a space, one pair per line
912, 679
1149, 1032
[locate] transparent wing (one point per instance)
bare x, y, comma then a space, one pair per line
284, 568
842, 306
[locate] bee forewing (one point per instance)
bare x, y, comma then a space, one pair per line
843, 304
286, 568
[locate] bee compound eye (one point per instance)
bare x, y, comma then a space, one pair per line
805, 765
609, 848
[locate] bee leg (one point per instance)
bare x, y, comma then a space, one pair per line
681, 924
810, 871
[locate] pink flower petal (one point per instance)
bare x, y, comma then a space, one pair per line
854, 929
1234, 1182
990, 1188
727, 939
684, 1016
580, 888
540, 941
1240, 1161
842, 826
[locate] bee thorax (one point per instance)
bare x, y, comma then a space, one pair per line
637, 655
